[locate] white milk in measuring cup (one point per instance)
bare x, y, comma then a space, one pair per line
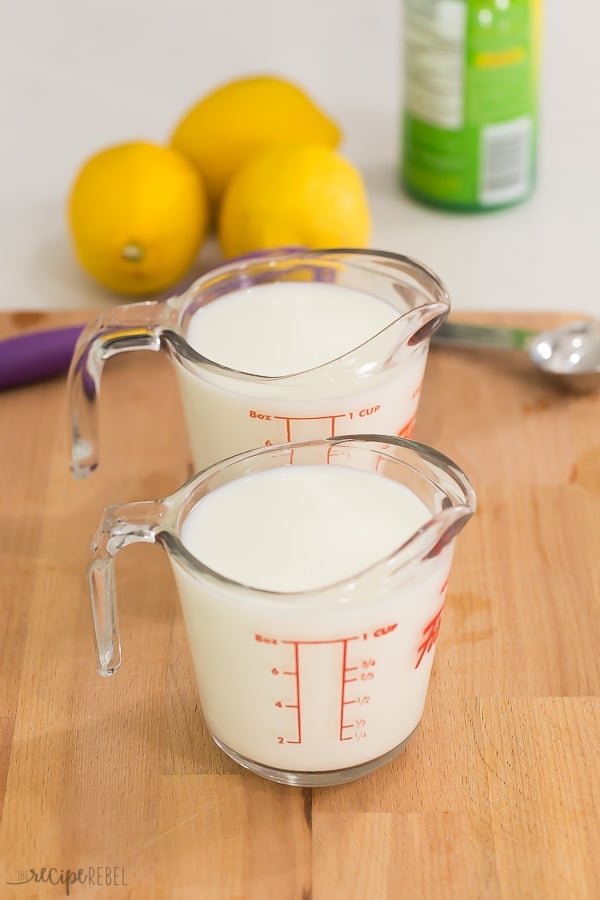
295, 329
316, 684
278, 347
312, 578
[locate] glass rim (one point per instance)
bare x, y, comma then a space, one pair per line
178, 305
169, 532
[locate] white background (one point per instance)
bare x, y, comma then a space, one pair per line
77, 75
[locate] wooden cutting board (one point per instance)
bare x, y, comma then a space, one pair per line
497, 795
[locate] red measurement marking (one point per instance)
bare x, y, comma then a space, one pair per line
387, 629
296, 705
369, 411
430, 635
295, 674
332, 641
407, 430
343, 701
264, 640
289, 419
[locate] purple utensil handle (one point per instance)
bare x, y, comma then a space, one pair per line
41, 354
37, 355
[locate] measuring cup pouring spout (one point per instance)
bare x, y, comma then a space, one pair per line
406, 337
369, 313
425, 321
449, 496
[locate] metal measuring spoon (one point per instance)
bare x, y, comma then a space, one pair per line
569, 354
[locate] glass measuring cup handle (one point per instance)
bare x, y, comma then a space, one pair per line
119, 527
137, 326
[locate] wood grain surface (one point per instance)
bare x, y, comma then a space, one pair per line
497, 795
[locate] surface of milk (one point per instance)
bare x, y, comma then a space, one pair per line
332, 677
286, 327
290, 332
297, 528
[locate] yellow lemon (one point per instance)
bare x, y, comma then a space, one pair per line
229, 125
138, 214
303, 195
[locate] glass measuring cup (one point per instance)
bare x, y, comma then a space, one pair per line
320, 685
373, 386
